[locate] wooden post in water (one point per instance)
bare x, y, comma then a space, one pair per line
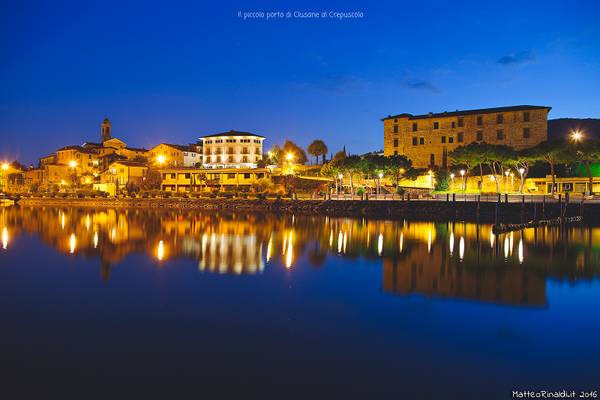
560, 204
447, 197
544, 207
497, 210
478, 204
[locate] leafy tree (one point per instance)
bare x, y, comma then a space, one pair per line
522, 161
152, 180
274, 155
318, 148
398, 166
587, 153
290, 147
552, 153
442, 180
497, 157
469, 157
351, 165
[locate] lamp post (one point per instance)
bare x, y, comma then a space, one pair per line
5, 166
451, 181
339, 185
160, 159
506, 173
464, 183
379, 183
576, 136
430, 173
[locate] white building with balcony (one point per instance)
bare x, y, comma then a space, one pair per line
233, 149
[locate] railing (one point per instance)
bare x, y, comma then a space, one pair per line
470, 197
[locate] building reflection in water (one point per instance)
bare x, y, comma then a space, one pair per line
458, 260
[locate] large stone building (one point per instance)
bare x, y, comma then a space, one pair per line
232, 149
175, 155
427, 139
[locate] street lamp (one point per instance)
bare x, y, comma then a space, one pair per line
576, 135
379, 188
340, 177
506, 173
451, 180
73, 164
5, 167
161, 159
462, 174
521, 172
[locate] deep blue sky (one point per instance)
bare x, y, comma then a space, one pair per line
170, 71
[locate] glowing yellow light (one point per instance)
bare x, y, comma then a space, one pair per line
72, 163
576, 135
62, 220
461, 248
5, 166
340, 239
95, 240
429, 237
95, 162
380, 244
451, 242
521, 256
521, 171
62, 182
161, 159
72, 243
452, 175
401, 245
506, 246
289, 253
4, 238
88, 180
289, 156
402, 170
462, 172
270, 248
506, 172
87, 222
160, 251
492, 239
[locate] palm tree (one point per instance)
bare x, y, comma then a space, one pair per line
318, 148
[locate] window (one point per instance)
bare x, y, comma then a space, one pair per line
395, 152
395, 119
436, 125
479, 135
395, 128
395, 142
500, 134
526, 116
500, 119
246, 176
414, 141
461, 137
443, 139
526, 133
230, 176
432, 159
461, 122
414, 126
421, 140
479, 120
450, 139
453, 124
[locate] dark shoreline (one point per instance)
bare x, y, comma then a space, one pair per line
393, 210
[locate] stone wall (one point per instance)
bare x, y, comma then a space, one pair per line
414, 210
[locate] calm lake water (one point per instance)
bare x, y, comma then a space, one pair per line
177, 304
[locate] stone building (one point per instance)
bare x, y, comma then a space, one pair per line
427, 139
232, 149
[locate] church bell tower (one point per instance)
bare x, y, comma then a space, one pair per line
105, 129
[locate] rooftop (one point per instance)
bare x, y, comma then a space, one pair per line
469, 112
232, 133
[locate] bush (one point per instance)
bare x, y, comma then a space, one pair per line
360, 191
442, 180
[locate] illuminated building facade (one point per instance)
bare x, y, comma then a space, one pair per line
427, 139
233, 149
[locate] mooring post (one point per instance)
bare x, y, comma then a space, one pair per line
535, 211
497, 210
478, 203
544, 206
560, 204
447, 197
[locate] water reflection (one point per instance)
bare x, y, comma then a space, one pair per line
457, 260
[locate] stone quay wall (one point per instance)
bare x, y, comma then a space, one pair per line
413, 210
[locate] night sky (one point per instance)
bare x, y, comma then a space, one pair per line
171, 72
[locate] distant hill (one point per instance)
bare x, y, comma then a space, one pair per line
561, 127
